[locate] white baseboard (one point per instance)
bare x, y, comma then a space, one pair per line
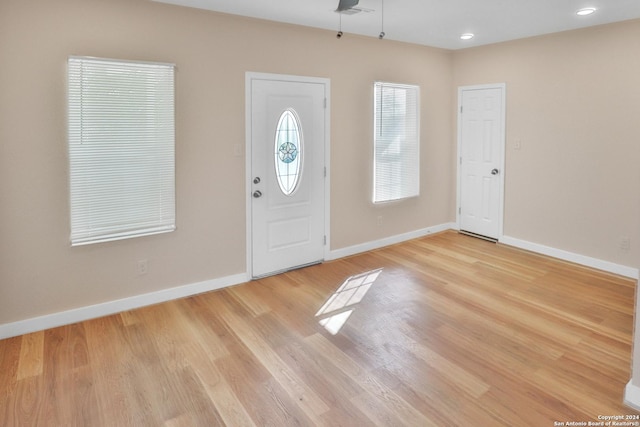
22, 327
632, 396
68, 317
586, 261
369, 246
26, 326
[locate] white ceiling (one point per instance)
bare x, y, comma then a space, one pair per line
437, 23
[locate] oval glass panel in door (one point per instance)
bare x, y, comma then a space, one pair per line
288, 151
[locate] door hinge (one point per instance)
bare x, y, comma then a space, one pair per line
325, 171
325, 240
461, 108
459, 211
325, 103
460, 160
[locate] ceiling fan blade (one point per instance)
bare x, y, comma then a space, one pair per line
346, 5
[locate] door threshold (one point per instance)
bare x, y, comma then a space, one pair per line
479, 236
286, 270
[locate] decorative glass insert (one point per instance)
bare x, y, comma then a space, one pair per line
288, 151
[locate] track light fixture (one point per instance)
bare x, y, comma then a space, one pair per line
348, 7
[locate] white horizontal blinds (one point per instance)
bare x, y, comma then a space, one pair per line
121, 149
396, 142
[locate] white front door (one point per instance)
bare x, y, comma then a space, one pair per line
481, 160
287, 119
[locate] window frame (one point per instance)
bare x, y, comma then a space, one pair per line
396, 153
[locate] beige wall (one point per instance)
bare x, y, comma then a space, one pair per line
41, 274
573, 102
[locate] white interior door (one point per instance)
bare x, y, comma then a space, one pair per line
287, 180
481, 153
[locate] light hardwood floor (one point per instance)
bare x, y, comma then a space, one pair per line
453, 331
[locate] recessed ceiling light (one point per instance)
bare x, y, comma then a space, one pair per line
586, 11
466, 36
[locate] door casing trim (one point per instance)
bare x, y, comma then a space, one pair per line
249, 78
503, 88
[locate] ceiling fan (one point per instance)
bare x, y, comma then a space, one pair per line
349, 7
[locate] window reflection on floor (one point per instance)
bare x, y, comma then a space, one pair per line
336, 311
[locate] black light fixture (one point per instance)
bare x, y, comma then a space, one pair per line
382, 34
349, 7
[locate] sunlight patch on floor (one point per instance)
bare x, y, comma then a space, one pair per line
336, 311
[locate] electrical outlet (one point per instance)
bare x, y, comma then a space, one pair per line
625, 243
143, 267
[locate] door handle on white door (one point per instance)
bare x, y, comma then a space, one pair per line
495, 172
257, 194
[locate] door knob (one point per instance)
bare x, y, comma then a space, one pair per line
495, 172
257, 194
256, 180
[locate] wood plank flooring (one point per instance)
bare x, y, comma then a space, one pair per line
446, 330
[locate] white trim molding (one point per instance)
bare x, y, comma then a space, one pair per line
609, 267
632, 396
369, 246
68, 317
21, 327
586, 261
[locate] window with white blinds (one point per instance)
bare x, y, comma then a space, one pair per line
121, 149
396, 167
